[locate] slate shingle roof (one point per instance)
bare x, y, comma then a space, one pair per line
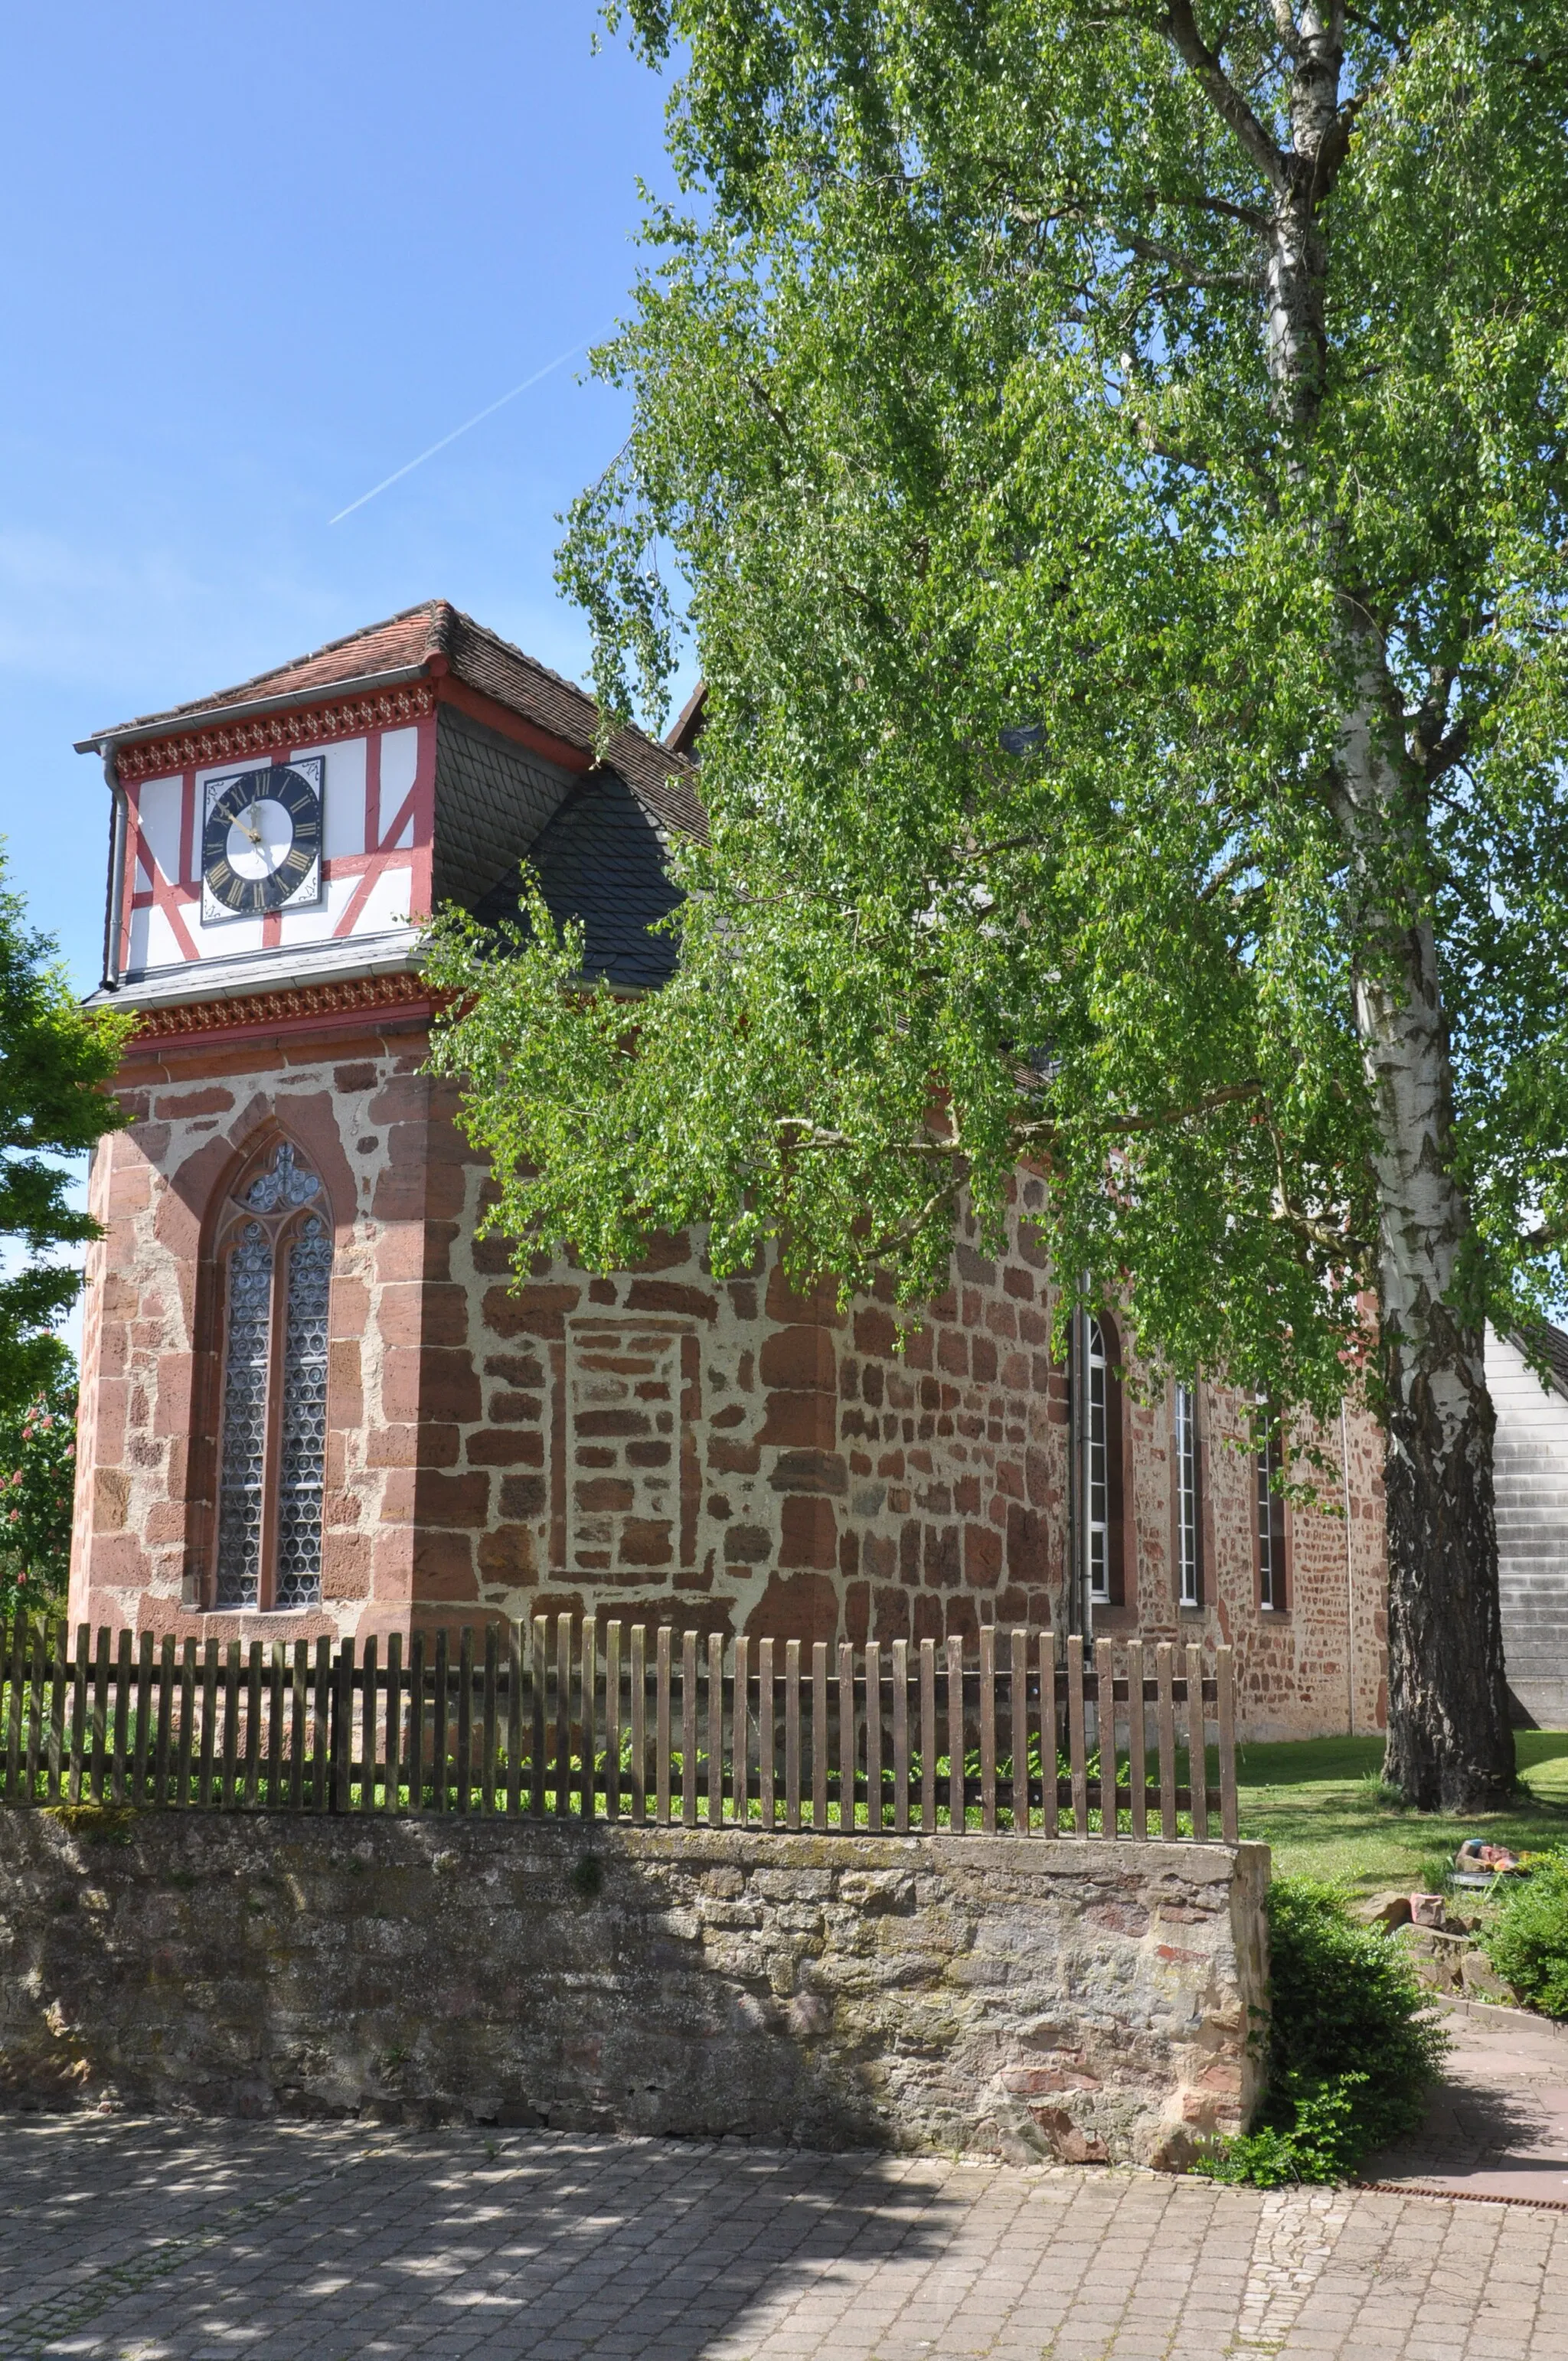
492, 799
601, 860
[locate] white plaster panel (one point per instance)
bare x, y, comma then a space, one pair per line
400, 766
319, 924
226, 938
159, 809
386, 904
139, 930
162, 948
343, 799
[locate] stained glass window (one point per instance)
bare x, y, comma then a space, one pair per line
245, 1419
273, 1425
303, 1455
1099, 1488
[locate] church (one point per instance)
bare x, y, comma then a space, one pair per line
313, 1403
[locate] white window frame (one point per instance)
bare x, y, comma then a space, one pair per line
1097, 1466
1189, 1500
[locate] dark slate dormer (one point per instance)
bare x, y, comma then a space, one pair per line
601, 859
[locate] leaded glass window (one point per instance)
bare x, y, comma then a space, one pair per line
245, 1418
1270, 1514
275, 1259
1188, 1528
1098, 1443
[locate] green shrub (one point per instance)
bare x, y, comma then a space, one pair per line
38, 1478
1353, 2045
1527, 1941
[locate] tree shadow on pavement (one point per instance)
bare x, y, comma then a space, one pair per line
185, 2241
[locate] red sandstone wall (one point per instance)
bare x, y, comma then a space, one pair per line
651, 1444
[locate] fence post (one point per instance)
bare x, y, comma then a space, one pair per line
988, 1728
463, 1745
1050, 1798
766, 1700
253, 1727
231, 1722
928, 1738
874, 1739
392, 1793
1225, 1680
1105, 1732
1197, 1745
343, 1729
488, 1735
957, 1797
203, 1752
539, 1674
78, 1712
715, 1729
18, 1639
122, 1712
1018, 1727
1165, 1709
688, 1730
100, 1712
1077, 1756
791, 1733
416, 1725
187, 1724
819, 1736
662, 1727
1138, 1747
848, 1751
590, 1718
638, 1725
901, 1737
367, 1708
740, 1736
514, 1716
563, 1716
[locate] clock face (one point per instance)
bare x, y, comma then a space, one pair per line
261, 842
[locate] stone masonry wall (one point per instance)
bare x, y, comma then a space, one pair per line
199, 1110
1081, 2000
656, 1444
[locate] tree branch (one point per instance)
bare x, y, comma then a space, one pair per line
1197, 274
1179, 29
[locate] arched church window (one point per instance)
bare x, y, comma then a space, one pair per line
275, 1255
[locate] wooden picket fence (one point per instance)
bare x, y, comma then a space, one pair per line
579, 1721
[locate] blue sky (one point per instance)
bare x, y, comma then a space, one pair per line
259, 256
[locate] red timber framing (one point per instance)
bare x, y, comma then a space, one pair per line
404, 841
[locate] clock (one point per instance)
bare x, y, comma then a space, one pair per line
261, 841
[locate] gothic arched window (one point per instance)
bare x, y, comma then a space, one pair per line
274, 1251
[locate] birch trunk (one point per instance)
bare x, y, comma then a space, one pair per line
1450, 1745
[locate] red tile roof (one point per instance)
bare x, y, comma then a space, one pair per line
485, 662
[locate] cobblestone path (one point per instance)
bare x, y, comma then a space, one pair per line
124, 2240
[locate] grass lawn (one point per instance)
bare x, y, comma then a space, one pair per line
1318, 1802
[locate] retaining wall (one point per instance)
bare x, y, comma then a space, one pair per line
1066, 1998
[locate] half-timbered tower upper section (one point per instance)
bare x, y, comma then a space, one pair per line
303, 825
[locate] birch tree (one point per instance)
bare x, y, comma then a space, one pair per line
1112, 459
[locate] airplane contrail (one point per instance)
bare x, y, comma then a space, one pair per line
480, 416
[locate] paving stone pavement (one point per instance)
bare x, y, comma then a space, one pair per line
129, 2240
1498, 2125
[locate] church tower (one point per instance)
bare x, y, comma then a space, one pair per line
276, 1365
